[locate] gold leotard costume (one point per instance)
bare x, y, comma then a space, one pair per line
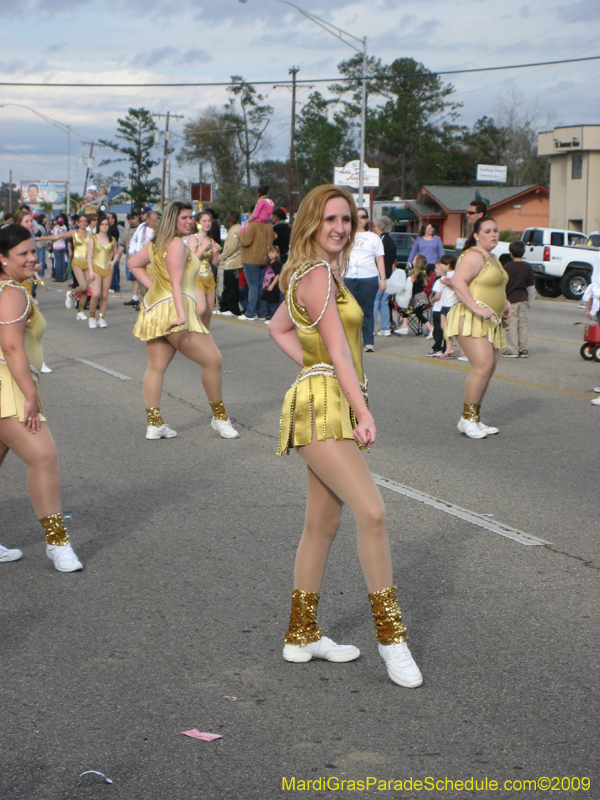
205, 279
101, 257
80, 246
488, 288
157, 309
315, 400
12, 399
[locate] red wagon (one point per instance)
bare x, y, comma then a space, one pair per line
590, 349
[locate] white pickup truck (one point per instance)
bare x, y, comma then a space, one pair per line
560, 259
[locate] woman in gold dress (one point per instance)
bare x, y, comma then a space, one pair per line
325, 416
23, 426
101, 257
79, 262
207, 251
477, 319
168, 320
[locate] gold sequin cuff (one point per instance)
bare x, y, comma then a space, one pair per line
387, 616
471, 412
303, 627
155, 419
218, 410
54, 529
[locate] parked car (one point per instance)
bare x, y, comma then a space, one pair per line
404, 243
561, 261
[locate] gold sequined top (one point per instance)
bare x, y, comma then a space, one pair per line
157, 309
80, 246
102, 256
204, 261
12, 400
315, 401
488, 288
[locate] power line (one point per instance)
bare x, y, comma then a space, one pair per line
381, 76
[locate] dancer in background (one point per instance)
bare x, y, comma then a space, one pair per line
325, 416
206, 251
23, 427
479, 281
168, 320
101, 257
79, 262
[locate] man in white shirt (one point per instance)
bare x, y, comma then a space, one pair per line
366, 275
141, 237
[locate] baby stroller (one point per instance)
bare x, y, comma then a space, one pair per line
401, 303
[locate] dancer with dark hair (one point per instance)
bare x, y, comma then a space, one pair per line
479, 281
23, 426
101, 257
325, 416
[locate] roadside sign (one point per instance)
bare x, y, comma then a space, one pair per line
350, 176
491, 173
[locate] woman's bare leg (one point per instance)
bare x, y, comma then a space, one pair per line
200, 302
104, 287
483, 360
160, 354
96, 288
38, 451
81, 278
201, 349
340, 476
206, 315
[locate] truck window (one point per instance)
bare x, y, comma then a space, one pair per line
575, 239
556, 239
536, 237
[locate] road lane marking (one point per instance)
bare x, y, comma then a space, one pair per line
103, 369
481, 520
465, 368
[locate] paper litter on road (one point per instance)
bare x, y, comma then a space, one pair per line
486, 515
206, 737
93, 772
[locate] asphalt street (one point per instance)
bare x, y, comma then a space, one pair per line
177, 620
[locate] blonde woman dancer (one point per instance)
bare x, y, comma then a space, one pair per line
101, 258
325, 416
168, 320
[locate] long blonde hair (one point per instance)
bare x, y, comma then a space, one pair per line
303, 242
167, 226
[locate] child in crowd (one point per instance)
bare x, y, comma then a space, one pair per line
439, 345
520, 291
271, 291
419, 301
263, 209
448, 299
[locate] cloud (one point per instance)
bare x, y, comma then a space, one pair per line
169, 55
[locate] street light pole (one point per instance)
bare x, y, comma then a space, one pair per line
339, 33
62, 127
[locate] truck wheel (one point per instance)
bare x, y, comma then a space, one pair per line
574, 283
596, 352
547, 288
586, 352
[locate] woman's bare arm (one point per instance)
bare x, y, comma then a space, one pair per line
13, 305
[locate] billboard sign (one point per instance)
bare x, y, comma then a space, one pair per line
491, 173
35, 192
350, 175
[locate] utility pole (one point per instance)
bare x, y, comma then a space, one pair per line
293, 72
169, 183
168, 116
87, 172
10, 192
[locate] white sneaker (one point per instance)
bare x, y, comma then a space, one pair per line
68, 300
489, 430
9, 555
243, 316
81, 315
400, 665
462, 358
63, 557
429, 335
102, 323
401, 332
224, 428
45, 368
323, 648
470, 429
382, 332
368, 348
596, 401
597, 389
227, 314
92, 322
162, 432
266, 321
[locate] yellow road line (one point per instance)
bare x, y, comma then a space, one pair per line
442, 363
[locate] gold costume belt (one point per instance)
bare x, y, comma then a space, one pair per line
481, 304
98, 264
328, 371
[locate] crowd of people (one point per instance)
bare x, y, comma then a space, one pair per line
320, 284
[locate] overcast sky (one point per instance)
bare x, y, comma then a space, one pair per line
136, 41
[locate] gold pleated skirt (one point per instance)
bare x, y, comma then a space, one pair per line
152, 322
314, 404
12, 399
474, 326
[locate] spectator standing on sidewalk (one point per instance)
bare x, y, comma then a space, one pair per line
382, 227
520, 293
124, 241
366, 275
255, 239
231, 261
